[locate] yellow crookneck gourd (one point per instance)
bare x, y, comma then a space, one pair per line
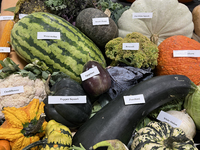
23, 125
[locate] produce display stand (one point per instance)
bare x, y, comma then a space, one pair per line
191, 6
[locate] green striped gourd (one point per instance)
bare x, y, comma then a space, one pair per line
160, 135
67, 54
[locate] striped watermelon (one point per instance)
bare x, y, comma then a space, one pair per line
67, 54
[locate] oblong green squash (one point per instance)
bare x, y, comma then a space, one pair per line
67, 54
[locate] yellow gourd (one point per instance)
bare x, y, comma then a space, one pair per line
23, 125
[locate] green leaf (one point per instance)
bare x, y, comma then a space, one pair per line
12, 9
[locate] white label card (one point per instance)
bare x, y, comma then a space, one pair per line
134, 99
22, 15
66, 99
186, 53
100, 21
4, 49
165, 117
142, 15
6, 17
48, 35
12, 90
89, 73
130, 46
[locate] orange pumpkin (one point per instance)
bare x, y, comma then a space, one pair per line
188, 66
4, 145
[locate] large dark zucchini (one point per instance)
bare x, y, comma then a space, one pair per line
118, 121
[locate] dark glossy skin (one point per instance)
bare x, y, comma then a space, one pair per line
97, 84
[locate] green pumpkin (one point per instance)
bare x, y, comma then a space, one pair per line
57, 137
160, 136
70, 115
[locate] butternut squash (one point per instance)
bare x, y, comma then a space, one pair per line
4, 5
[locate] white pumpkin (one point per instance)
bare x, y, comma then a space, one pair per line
169, 17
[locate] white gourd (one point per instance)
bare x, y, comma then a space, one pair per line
187, 124
169, 18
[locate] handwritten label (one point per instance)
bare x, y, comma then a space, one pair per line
66, 99
22, 16
6, 17
142, 15
134, 99
5, 49
171, 120
130, 46
100, 21
12, 90
89, 73
186, 53
48, 35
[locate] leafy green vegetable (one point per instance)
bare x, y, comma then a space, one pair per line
33, 70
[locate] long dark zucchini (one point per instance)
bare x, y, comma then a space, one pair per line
118, 121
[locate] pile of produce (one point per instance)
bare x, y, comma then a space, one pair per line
98, 74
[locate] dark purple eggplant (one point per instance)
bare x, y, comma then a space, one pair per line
97, 84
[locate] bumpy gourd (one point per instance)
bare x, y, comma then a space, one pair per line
57, 136
188, 66
160, 135
19, 122
169, 18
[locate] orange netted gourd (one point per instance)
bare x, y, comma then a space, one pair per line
23, 125
188, 66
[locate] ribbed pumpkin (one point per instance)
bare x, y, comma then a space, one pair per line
57, 136
169, 18
160, 135
188, 66
19, 122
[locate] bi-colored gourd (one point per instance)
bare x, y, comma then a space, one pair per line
57, 137
168, 64
23, 125
168, 18
67, 54
160, 135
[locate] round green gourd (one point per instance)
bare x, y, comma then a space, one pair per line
67, 54
160, 135
100, 34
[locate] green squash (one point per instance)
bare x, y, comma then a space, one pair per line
57, 136
70, 115
160, 135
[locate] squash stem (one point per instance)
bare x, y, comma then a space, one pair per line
37, 143
154, 38
170, 140
37, 126
47, 89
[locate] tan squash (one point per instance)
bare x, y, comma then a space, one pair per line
4, 5
196, 19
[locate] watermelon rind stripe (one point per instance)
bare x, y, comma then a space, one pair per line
68, 54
